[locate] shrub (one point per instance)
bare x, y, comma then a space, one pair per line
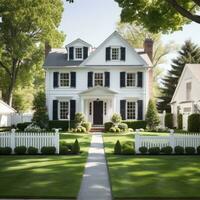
32, 128
152, 117
154, 150
64, 125
127, 149
179, 150
107, 126
169, 120
76, 147
118, 148
20, 150
32, 151
130, 130
136, 124
79, 130
48, 150
180, 121
143, 150
190, 150
112, 129
22, 126
87, 125
198, 150
116, 118
5, 150
64, 150
167, 150
194, 123
123, 126
79, 119
83, 130
117, 130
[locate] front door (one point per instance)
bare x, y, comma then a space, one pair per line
98, 113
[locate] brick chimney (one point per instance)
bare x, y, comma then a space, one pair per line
148, 49
47, 49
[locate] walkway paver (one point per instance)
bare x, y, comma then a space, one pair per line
95, 184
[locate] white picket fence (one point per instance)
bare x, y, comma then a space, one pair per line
184, 140
28, 139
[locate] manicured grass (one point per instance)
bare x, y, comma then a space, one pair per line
151, 176
44, 176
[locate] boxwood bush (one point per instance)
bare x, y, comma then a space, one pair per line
87, 126
194, 123
76, 147
154, 150
118, 148
127, 149
180, 121
179, 150
5, 150
167, 150
169, 120
198, 150
20, 150
190, 150
123, 126
32, 151
143, 150
64, 125
136, 124
64, 150
107, 126
48, 150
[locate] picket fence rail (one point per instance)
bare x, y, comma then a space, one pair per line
173, 140
30, 139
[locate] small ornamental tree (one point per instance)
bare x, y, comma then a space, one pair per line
76, 147
40, 116
152, 117
116, 119
118, 148
79, 119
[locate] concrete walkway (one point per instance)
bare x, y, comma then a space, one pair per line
95, 184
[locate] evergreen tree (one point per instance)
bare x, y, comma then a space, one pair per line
189, 53
152, 117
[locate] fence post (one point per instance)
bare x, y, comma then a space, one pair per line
137, 141
171, 139
12, 139
57, 138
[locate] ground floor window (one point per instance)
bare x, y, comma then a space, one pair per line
131, 110
64, 109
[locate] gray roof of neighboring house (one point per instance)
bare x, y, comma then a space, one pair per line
58, 58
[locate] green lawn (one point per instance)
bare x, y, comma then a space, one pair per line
151, 176
44, 176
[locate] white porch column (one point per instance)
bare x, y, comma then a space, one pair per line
114, 102
81, 105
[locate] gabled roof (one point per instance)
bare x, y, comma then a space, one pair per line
194, 69
5, 108
78, 40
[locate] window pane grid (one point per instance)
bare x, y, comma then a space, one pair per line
79, 53
64, 109
130, 110
115, 53
131, 79
98, 79
64, 79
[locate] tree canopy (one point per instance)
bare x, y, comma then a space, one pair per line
160, 16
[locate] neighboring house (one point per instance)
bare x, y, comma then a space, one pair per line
114, 78
6, 113
186, 98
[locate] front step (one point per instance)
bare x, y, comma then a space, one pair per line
97, 129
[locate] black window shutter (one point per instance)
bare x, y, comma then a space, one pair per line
123, 53
72, 109
122, 79
90, 79
55, 79
85, 52
140, 109
140, 79
108, 53
73, 79
107, 79
71, 53
123, 109
55, 109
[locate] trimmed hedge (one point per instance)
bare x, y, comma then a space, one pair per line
48, 150
143, 150
127, 149
179, 150
180, 121
32, 151
21, 150
154, 151
190, 150
22, 126
169, 120
107, 126
194, 123
167, 150
198, 150
5, 150
136, 124
64, 125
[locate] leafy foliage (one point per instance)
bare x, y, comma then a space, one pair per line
180, 121
79, 118
116, 118
194, 123
169, 120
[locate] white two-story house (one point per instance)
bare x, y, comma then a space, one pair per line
113, 78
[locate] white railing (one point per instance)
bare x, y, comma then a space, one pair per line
30, 139
173, 140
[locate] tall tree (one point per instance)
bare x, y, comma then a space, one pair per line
160, 16
136, 35
26, 25
189, 53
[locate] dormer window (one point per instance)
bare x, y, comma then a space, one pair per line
115, 53
78, 53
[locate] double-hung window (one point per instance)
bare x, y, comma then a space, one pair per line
64, 79
78, 53
98, 79
130, 79
64, 110
115, 53
188, 91
131, 110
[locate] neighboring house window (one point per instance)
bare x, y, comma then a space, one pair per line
64, 109
115, 53
130, 79
188, 90
131, 110
105, 108
64, 79
90, 108
78, 53
98, 79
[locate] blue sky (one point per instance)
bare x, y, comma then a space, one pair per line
94, 20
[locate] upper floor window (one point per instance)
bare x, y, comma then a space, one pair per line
115, 53
78, 53
64, 79
98, 79
130, 79
64, 109
131, 110
188, 90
